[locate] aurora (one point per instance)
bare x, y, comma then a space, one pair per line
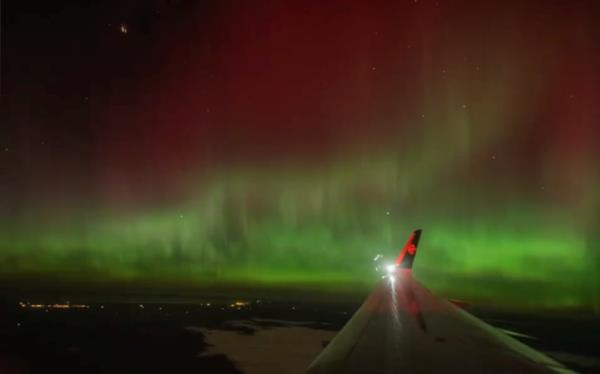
285, 144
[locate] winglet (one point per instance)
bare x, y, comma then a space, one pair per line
407, 255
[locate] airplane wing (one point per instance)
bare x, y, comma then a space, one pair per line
402, 327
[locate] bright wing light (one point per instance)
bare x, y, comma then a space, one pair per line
391, 268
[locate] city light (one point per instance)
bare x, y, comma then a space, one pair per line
239, 304
52, 306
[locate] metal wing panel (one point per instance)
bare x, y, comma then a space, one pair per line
402, 327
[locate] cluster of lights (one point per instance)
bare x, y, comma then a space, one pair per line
68, 305
240, 305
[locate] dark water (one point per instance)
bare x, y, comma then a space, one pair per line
151, 337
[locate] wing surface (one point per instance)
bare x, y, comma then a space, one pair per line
403, 328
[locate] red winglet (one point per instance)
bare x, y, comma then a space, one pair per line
407, 255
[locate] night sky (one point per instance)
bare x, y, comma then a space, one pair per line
286, 143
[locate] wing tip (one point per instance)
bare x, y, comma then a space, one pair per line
417, 236
407, 255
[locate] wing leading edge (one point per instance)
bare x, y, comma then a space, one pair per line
402, 327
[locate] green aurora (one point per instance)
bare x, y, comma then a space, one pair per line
472, 132
301, 230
